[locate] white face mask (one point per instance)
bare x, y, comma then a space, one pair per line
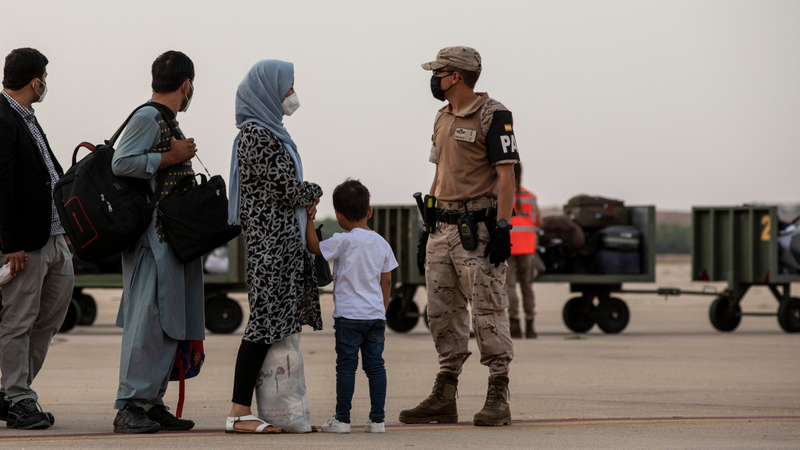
188, 99
43, 94
290, 104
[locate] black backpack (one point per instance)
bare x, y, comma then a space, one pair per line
102, 213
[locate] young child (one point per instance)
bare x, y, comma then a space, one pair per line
362, 267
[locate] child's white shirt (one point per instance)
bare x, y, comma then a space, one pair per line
359, 258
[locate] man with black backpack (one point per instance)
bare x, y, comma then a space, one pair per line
32, 244
162, 300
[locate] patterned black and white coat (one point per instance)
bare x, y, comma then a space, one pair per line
282, 286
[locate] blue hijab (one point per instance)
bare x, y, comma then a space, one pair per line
258, 100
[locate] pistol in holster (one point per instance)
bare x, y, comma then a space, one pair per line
468, 229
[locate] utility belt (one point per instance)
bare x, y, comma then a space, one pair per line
452, 217
466, 215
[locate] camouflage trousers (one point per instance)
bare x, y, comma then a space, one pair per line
522, 270
457, 278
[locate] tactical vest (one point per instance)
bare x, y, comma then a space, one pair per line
524, 223
167, 178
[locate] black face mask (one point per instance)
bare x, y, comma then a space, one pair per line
436, 88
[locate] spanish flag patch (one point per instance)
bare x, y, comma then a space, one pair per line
508, 127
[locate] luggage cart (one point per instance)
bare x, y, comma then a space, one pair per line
401, 225
596, 303
223, 314
739, 245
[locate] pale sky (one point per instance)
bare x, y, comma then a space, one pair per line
673, 103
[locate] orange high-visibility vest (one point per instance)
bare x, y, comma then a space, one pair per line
523, 233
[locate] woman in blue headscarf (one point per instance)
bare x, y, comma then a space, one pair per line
270, 199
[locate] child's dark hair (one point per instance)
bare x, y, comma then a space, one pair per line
351, 199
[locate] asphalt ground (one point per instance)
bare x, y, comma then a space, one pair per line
668, 381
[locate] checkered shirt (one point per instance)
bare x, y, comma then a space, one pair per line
30, 120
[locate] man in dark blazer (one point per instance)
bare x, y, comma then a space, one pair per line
32, 242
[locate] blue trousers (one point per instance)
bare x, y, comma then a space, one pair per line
352, 335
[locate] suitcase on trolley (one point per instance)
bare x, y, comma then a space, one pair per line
624, 238
596, 212
618, 262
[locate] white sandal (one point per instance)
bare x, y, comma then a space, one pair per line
260, 430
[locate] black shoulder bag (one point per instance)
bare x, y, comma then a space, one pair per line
195, 216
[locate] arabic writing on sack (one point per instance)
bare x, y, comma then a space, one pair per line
278, 371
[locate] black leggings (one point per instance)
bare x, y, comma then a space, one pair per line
248, 365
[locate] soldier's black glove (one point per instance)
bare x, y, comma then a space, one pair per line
423, 244
499, 247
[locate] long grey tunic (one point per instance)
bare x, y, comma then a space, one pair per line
179, 287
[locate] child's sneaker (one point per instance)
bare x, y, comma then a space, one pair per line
334, 426
374, 427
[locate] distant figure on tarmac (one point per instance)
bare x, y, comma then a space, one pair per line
32, 243
522, 266
474, 149
162, 298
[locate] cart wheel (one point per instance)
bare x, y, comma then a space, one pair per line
401, 320
425, 317
723, 315
578, 314
88, 309
223, 315
73, 317
612, 315
789, 315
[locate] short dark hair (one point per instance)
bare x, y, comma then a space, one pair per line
22, 66
351, 199
470, 78
170, 70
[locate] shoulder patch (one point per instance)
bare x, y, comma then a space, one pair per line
487, 113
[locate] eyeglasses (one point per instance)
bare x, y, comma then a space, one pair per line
442, 73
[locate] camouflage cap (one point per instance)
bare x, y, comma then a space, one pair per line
465, 58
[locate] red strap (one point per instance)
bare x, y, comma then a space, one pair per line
181, 386
87, 145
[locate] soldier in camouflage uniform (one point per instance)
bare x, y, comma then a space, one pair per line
474, 150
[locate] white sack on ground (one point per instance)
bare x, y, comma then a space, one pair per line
281, 387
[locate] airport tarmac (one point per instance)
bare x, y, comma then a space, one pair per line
669, 381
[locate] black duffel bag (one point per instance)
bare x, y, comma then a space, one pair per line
102, 213
195, 217
596, 212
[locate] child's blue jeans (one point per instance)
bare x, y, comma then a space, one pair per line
352, 335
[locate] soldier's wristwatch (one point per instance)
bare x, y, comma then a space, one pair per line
502, 224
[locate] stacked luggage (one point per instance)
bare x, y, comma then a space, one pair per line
593, 236
619, 250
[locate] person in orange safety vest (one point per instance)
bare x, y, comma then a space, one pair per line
521, 265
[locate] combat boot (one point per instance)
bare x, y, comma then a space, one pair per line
516, 331
529, 331
496, 411
440, 406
